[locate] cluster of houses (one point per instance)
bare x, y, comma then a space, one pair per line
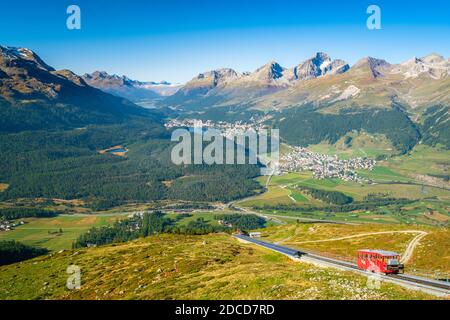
227, 129
6, 225
325, 166
299, 159
189, 123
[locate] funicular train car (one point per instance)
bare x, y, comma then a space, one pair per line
380, 261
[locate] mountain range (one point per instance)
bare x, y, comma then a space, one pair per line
416, 93
56, 132
321, 80
226, 86
34, 95
132, 90
411, 98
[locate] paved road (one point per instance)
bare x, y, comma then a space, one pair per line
406, 256
432, 286
272, 246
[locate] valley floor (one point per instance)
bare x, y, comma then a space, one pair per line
216, 266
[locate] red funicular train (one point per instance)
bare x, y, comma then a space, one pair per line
380, 261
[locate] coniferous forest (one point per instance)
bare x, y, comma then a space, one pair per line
68, 165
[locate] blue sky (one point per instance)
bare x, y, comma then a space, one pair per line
175, 40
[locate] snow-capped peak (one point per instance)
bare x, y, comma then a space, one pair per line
319, 65
16, 53
433, 65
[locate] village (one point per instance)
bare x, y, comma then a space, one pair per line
6, 225
325, 166
227, 129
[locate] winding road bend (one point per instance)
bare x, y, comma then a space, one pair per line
406, 256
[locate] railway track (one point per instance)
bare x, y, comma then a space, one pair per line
440, 288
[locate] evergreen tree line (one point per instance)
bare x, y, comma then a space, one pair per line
12, 251
435, 126
332, 197
158, 222
242, 221
18, 213
369, 205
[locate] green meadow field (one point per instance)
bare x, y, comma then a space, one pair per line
44, 232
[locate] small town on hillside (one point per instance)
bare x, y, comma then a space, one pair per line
325, 166
227, 129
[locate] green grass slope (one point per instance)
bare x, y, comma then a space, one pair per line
186, 267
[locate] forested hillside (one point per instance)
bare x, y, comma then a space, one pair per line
67, 165
305, 125
55, 128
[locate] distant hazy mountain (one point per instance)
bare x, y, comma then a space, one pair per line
133, 90
163, 88
35, 96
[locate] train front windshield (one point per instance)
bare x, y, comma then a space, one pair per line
392, 260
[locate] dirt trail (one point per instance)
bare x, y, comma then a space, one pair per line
412, 246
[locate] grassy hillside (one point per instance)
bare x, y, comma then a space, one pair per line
432, 254
186, 267
357, 144
422, 160
304, 126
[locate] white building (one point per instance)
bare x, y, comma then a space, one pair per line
254, 234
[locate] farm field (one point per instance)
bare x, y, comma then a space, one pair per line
421, 212
44, 232
275, 195
430, 208
186, 267
357, 190
423, 160
384, 174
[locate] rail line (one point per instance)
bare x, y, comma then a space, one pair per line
436, 287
